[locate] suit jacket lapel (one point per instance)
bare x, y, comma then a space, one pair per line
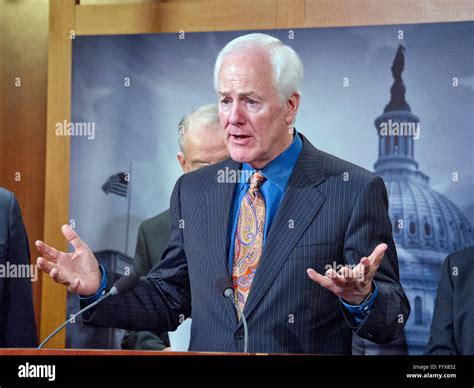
216, 215
301, 202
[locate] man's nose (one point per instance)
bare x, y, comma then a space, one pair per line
236, 115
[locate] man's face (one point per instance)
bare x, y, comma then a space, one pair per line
203, 146
255, 121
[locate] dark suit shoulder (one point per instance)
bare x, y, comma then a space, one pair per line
203, 175
463, 261
157, 222
153, 235
204, 180
331, 166
6, 198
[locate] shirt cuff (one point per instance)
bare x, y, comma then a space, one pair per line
360, 312
86, 300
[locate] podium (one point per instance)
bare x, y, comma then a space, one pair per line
106, 352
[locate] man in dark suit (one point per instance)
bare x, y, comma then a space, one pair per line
201, 144
153, 235
301, 233
452, 328
17, 321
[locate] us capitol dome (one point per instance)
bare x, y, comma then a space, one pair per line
427, 226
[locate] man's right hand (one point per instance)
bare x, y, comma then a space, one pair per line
78, 271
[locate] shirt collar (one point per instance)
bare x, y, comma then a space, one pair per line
279, 170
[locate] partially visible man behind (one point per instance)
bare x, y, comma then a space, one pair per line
452, 328
17, 321
201, 144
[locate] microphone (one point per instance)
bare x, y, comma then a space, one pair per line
121, 286
124, 284
225, 287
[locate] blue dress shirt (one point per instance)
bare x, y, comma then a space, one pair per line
277, 174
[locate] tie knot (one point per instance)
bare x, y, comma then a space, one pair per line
256, 180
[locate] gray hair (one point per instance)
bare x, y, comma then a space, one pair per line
286, 63
203, 115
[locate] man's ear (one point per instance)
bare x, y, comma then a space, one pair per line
292, 105
182, 161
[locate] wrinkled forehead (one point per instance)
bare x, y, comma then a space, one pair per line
244, 71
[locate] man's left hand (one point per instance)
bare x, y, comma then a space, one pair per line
352, 285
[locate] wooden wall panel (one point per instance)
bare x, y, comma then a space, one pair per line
191, 16
95, 18
23, 58
61, 23
330, 13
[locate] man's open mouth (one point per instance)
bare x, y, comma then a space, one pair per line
239, 136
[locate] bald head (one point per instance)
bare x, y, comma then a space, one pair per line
201, 139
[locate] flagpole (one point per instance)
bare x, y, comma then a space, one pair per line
129, 188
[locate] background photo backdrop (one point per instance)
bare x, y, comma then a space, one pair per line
135, 90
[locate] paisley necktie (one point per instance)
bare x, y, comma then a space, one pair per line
248, 239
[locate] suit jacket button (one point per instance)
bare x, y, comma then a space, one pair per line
239, 335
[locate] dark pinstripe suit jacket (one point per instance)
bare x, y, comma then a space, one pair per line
332, 211
17, 320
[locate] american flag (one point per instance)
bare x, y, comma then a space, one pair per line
117, 184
